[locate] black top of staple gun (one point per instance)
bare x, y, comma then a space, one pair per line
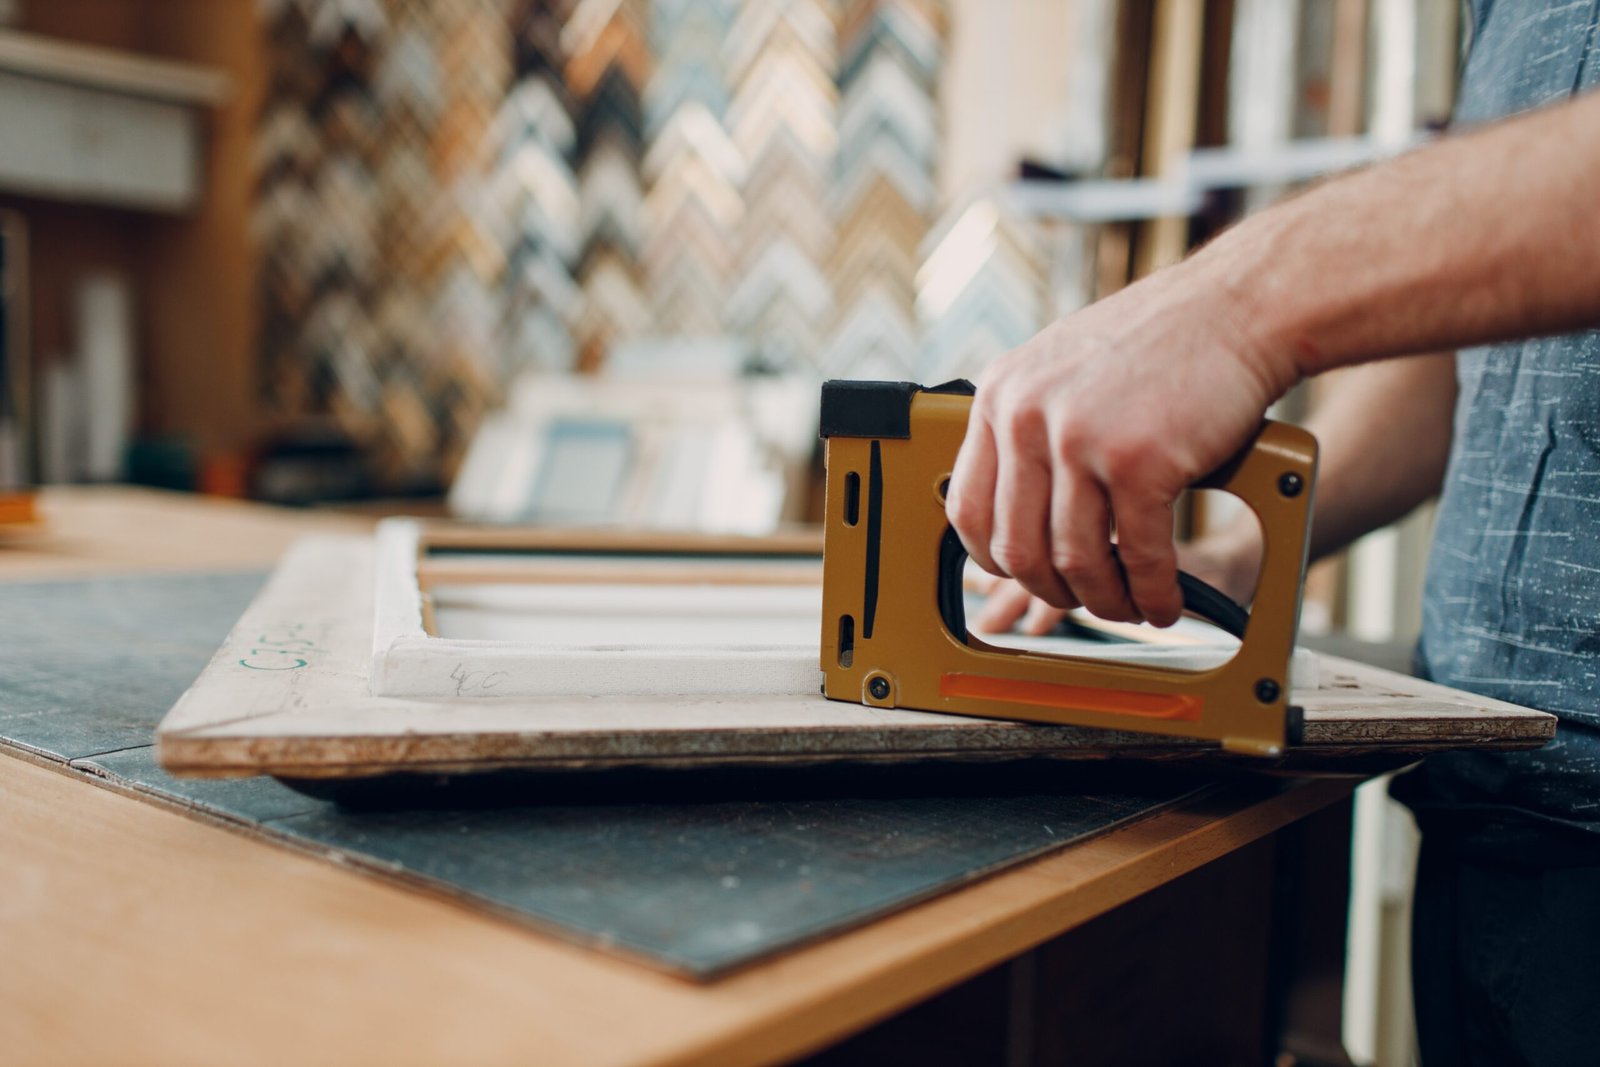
876, 409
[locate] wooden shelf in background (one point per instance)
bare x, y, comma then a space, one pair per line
113, 70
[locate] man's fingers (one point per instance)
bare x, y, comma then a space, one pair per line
1009, 606
1020, 543
1041, 619
1149, 561
1080, 527
969, 503
1007, 602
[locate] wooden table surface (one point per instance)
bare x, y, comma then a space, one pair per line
134, 933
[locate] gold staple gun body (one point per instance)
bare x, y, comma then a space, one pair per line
894, 632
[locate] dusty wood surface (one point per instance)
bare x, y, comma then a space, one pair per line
111, 530
288, 695
275, 957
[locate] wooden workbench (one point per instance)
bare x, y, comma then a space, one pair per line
135, 933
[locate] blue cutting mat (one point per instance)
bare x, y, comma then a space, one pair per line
698, 872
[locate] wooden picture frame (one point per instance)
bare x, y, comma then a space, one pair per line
412, 658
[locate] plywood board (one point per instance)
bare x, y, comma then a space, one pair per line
288, 695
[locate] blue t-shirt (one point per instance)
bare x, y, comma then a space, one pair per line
1512, 601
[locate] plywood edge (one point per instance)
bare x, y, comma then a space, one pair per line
205, 757
1350, 687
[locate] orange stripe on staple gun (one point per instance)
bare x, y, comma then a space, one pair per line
1172, 706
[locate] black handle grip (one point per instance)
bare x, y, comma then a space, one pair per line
1199, 598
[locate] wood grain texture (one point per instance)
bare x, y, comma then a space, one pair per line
310, 963
117, 529
288, 695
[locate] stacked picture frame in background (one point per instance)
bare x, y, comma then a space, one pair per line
16, 425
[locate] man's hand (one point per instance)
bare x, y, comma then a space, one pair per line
1229, 560
1100, 422
1104, 417
1384, 431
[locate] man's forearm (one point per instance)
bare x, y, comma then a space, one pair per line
1384, 438
1384, 432
1486, 236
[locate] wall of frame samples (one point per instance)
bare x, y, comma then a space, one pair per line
411, 212
453, 194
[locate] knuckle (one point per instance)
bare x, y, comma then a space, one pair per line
1143, 558
1073, 437
1130, 461
1022, 425
1077, 568
1017, 560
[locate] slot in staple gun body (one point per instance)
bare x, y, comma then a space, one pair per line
894, 632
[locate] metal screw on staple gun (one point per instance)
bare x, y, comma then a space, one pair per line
1266, 690
1290, 484
879, 688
